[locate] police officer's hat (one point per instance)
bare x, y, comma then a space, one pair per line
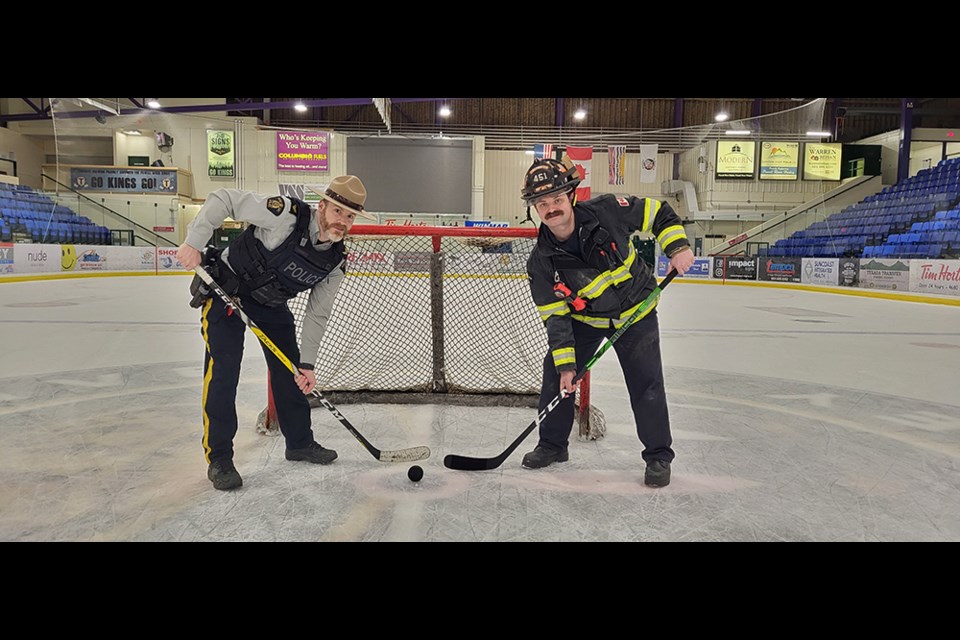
347, 192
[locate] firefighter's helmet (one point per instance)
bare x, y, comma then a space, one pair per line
548, 176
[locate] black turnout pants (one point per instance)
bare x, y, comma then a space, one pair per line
638, 350
223, 332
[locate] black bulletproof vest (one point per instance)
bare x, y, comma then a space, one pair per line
273, 277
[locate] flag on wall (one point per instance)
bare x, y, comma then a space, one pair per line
648, 163
583, 158
541, 151
617, 159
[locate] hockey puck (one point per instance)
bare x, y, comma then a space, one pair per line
415, 473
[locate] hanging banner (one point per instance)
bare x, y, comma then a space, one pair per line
541, 151
303, 150
220, 154
109, 179
616, 160
583, 158
648, 163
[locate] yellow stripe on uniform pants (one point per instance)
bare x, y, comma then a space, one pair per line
207, 376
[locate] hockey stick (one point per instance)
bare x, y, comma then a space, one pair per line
465, 463
400, 455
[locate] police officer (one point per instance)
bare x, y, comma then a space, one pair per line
587, 280
286, 249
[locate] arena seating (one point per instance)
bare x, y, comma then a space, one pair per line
31, 215
916, 218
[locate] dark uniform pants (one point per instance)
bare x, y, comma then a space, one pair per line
223, 334
639, 352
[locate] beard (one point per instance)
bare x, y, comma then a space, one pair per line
333, 230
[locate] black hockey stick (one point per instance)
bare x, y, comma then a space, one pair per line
401, 455
465, 463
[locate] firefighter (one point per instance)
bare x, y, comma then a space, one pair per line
586, 280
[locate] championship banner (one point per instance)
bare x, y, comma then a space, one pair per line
583, 158
541, 151
303, 151
821, 161
220, 154
779, 160
616, 160
648, 163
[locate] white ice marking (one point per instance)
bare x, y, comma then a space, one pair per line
100, 382
926, 420
816, 399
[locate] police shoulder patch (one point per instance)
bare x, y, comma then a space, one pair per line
275, 206
623, 201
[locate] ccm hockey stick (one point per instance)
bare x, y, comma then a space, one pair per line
465, 463
401, 455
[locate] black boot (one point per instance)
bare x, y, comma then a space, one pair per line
224, 475
544, 456
313, 453
658, 473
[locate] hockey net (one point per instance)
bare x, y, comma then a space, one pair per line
439, 315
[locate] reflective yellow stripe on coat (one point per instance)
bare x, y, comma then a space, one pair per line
618, 276
555, 309
564, 356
